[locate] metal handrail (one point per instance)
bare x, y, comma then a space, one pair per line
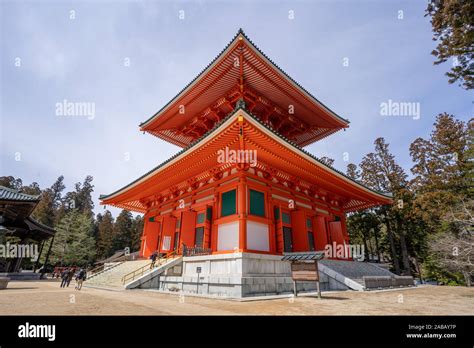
96, 270
100, 269
104, 269
141, 270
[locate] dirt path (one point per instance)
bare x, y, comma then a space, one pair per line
45, 297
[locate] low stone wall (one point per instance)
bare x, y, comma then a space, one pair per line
387, 282
21, 275
4, 282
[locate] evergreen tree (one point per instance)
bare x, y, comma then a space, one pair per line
11, 182
81, 198
353, 172
137, 231
452, 27
327, 161
73, 244
123, 231
105, 234
46, 211
381, 172
443, 185
33, 189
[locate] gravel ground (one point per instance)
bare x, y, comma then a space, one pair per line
47, 298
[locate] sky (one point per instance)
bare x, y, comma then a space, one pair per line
127, 59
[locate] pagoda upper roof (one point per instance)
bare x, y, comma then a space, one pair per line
243, 71
200, 157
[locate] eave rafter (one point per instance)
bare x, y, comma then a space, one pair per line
272, 114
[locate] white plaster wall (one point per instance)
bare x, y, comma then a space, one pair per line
257, 236
228, 236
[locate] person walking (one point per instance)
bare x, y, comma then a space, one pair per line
80, 277
153, 260
70, 275
64, 275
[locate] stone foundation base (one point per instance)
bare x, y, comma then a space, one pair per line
234, 275
21, 275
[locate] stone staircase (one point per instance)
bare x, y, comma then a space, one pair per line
150, 279
352, 273
112, 277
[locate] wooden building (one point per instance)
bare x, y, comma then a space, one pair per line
243, 182
16, 223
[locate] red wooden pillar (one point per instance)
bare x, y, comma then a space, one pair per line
242, 211
344, 229
271, 225
215, 215
188, 228
279, 232
298, 228
320, 232
167, 235
150, 237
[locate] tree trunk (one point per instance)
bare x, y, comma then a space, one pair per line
418, 269
405, 259
366, 249
396, 265
377, 250
467, 278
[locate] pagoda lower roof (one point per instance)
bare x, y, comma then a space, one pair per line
243, 71
197, 160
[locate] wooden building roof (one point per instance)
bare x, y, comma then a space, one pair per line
273, 149
15, 210
242, 71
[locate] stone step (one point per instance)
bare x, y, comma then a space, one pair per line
113, 276
352, 273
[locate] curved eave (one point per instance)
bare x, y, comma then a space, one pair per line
114, 198
149, 124
383, 196
38, 226
169, 161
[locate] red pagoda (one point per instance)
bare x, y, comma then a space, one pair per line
243, 182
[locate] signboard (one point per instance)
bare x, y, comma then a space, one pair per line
198, 270
304, 271
166, 243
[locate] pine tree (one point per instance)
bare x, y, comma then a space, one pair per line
137, 231
11, 182
443, 186
105, 234
81, 198
73, 243
381, 172
452, 27
123, 231
327, 161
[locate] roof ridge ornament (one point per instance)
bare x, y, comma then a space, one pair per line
240, 104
